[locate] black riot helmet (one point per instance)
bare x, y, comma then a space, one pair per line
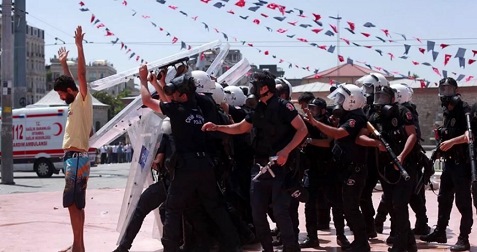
448, 92
184, 84
261, 79
284, 88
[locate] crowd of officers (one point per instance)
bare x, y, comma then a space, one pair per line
231, 157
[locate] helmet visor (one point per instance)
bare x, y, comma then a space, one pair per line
447, 90
368, 88
337, 96
382, 98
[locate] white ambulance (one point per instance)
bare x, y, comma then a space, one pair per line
38, 138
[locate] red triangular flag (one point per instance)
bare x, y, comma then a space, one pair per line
351, 25
391, 55
92, 18
172, 7
469, 78
231, 12
266, 52
240, 3
108, 33
316, 30
334, 28
316, 16
386, 32
340, 58
366, 34
322, 47
302, 39
415, 62
418, 39
444, 46
471, 61
174, 40
264, 15
422, 50
447, 58
281, 30
256, 21
293, 23
436, 71
474, 52
81, 3
250, 44
423, 84
345, 40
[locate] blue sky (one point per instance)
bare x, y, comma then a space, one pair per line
448, 22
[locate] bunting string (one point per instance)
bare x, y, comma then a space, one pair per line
317, 18
148, 18
340, 57
96, 22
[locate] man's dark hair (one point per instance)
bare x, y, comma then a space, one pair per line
265, 78
64, 82
306, 97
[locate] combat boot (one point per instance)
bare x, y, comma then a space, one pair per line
461, 245
421, 228
290, 248
343, 242
310, 243
439, 236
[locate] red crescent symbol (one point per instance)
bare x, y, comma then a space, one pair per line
60, 129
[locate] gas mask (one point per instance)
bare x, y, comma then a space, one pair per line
447, 94
386, 111
183, 84
449, 100
369, 93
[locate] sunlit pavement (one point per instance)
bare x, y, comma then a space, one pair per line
36, 221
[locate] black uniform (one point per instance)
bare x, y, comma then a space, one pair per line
243, 161
455, 177
418, 198
272, 131
194, 175
397, 191
366, 202
150, 199
323, 179
473, 118
351, 160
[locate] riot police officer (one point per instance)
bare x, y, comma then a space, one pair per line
349, 157
278, 130
369, 83
194, 175
403, 96
455, 177
322, 178
396, 126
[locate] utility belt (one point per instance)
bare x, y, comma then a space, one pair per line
188, 155
353, 167
456, 159
75, 154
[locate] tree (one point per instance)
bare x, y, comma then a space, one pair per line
115, 103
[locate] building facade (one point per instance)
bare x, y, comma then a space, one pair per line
35, 64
